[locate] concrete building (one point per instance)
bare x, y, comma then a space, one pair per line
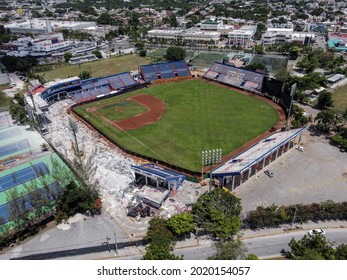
211, 25
242, 36
49, 43
38, 26
277, 35
281, 35
239, 169
189, 35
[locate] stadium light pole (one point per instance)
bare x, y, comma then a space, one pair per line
211, 157
292, 93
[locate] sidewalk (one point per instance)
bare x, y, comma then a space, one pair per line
246, 234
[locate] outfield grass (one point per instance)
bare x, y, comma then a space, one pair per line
99, 68
198, 116
130, 109
340, 98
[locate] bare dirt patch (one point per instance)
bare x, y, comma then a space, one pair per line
119, 110
156, 109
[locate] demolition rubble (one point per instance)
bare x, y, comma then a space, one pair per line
114, 174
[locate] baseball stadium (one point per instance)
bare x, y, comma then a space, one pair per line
168, 116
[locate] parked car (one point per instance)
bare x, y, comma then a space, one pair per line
316, 231
269, 173
300, 148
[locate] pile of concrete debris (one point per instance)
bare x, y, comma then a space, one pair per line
114, 170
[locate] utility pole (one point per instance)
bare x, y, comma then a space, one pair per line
296, 209
108, 243
292, 93
115, 243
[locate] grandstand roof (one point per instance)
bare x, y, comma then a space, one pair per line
160, 172
255, 153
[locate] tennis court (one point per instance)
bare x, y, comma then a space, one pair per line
14, 147
54, 190
22, 176
5, 121
10, 133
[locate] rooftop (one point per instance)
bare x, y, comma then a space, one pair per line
247, 158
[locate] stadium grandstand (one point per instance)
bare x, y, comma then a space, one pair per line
165, 70
83, 90
234, 76
239, 169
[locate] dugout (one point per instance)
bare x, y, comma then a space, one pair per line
239, 169
156, 183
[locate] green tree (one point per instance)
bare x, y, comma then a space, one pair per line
218, 212
140, 45
22, 64
97, 54
294, 52
67, 56
157, 252
181, 223
325, 121
341, 252
104, 18
252, 257
143, 53
162, 241
75, 198
325, 100
229, 250
259, 49
315, 247
175, 54
17, 109
84, 75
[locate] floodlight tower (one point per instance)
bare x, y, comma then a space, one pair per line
292, 93
211, 157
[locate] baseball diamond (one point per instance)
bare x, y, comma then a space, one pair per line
180, 119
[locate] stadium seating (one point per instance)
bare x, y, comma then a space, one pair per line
235, 76
166, 70
81, 90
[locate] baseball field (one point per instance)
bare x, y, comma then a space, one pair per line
174, 122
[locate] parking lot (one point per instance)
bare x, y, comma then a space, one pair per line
317, 174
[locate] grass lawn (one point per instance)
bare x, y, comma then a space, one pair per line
340, 98
99, 68
198, 116
121, 110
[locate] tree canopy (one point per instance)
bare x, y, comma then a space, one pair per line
175, 54
17, 109
218, 212
315, 247
181, 223
76, 198
162, 241
229, 250
325, 100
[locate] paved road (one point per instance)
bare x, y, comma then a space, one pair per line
264, 247
81, 232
